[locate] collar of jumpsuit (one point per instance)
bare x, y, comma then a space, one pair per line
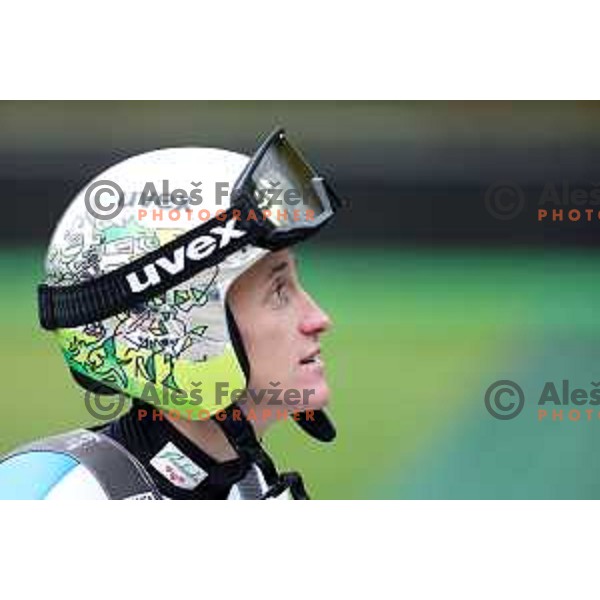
182, 471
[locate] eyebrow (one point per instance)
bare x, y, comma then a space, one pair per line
278, 268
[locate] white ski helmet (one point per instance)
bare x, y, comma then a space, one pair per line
139, 266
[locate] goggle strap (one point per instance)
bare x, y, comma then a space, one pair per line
111, 293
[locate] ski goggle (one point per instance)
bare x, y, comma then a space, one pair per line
291, 198
278, 200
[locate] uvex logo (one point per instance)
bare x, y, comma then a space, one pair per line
198, 249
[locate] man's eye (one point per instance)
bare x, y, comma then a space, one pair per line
280, 293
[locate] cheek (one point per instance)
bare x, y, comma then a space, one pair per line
270, 352
275, 360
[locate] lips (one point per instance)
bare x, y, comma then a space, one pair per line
313, 357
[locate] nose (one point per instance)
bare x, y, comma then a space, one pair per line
314, 319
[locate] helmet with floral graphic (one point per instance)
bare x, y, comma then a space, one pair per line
139, 266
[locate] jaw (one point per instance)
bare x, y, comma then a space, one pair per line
314, 389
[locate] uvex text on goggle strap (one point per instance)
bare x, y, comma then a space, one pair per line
306, 203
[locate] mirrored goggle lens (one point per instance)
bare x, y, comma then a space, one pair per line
287, 189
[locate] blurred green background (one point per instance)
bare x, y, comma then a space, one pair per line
426, 315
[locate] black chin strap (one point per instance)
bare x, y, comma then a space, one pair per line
240, 434
319, 427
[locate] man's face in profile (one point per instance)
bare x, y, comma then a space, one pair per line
281, 325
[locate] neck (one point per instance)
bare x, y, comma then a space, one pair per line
206, 435
259, 423
261, 416
209, 437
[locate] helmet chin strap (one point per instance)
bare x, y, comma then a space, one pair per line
320, 427
241, 436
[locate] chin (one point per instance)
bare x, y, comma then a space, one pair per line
320, 399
